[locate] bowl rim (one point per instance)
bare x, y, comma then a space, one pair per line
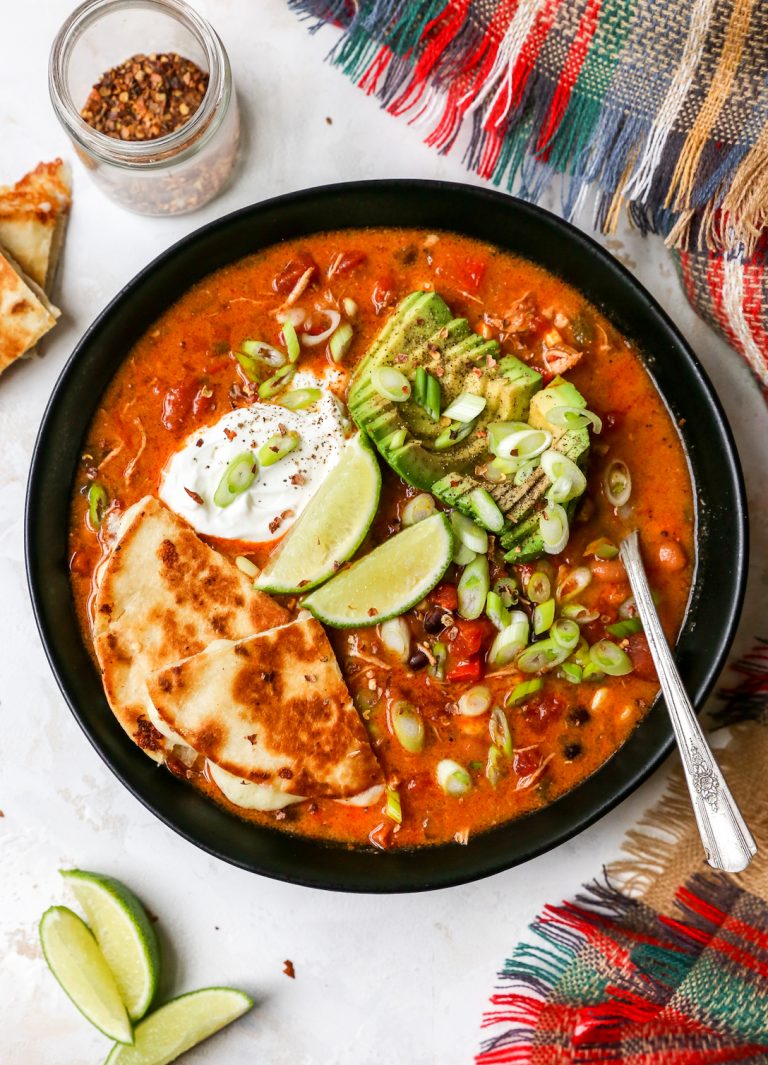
404, 871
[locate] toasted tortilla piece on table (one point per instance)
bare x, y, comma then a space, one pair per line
33, 219
272, 709
163, 595
25, 312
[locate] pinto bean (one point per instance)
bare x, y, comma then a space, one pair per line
672, 556
611, 570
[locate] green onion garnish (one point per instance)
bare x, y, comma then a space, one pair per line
340, 341
579, 613
525, 443
621, 629
291, 339
433, 399
250, 367
475, 701
237, 478
541, 657
592, 672
538, 588
574, 584
485, 510
574, 418
453, 778
452, 434
609, 658
568, 481
496, 611
277, 382
465, 408
523, 690
408, 726
565, 633
469, 534
395, 440
601, 548
420, 385
98, 500
494, 767
391, 384
277, 447
301, 398
543, 616
506, 589
553, 528
617, 483
572, 672
417, 509
509, 641
498, 727
394, 810
440, 655
473, 588
260, 351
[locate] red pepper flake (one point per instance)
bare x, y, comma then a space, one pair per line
372, 612
439, 371
252, 739
288, 966
195, 496
283, 429
298, 478
229, 433
304, 582
275, 524
286, 514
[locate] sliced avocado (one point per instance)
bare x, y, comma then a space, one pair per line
417, 317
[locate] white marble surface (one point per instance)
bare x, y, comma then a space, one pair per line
377, 979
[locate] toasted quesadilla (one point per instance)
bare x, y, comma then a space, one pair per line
163, 595
25, 312
272, 709
33, 218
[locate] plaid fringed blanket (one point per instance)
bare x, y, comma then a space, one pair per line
660, 106
663, 962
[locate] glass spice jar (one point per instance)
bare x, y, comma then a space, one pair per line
170, 174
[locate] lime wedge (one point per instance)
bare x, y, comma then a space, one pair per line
180, 1024
390, 580
124, 934
331, 527
75, 960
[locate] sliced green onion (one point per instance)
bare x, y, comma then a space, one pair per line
579, 613
494, 767
574, 584
617, 483
568, 482
393, 808
350, 307
521, 691
572, 672
471, 535
498, 727
420, 385
340, 341
465, 408
526, 444
250, 367
485, 510
541, 657
553, 528
313, 339
496, 611
602, 548
396, 637
277, 382
609, 658
628, 608
291, 339
301, 398
462, 555
433, 398
395, 440
621, 629
506, 589
592, 672
452, 434
440, 655
98, 500
475, 701
581, 655
263, 352
278, 446
499, 431
574, 418
565, 633
509, 641
408, 727
473, 588
524, 471
417, 509
543, 616
453, 778
391, 384
236, 479
538, 588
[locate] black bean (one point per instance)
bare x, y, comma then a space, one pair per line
433, 619
579, 715
571, 751
417, 660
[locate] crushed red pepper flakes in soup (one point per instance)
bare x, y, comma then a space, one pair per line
556, 733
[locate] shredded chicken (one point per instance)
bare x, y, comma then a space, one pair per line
132, 464
519, 318
112, 454
299, 288
559, 360
527, 782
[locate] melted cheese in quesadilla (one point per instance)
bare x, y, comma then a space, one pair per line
25, 313
33, 217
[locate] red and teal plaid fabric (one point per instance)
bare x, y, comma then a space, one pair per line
657, 107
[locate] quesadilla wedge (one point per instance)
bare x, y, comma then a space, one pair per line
271, 709
163, 595
33, 218
26, 315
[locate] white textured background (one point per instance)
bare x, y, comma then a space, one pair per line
400, 979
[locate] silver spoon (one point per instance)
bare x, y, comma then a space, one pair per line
728, 843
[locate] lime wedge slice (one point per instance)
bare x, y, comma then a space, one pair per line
75, 960
124, 934
331, 527
390, 580
180, 1024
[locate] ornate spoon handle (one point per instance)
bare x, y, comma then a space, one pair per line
728, 843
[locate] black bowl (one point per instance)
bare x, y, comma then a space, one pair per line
489, 216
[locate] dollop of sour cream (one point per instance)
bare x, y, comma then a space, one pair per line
267, 509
